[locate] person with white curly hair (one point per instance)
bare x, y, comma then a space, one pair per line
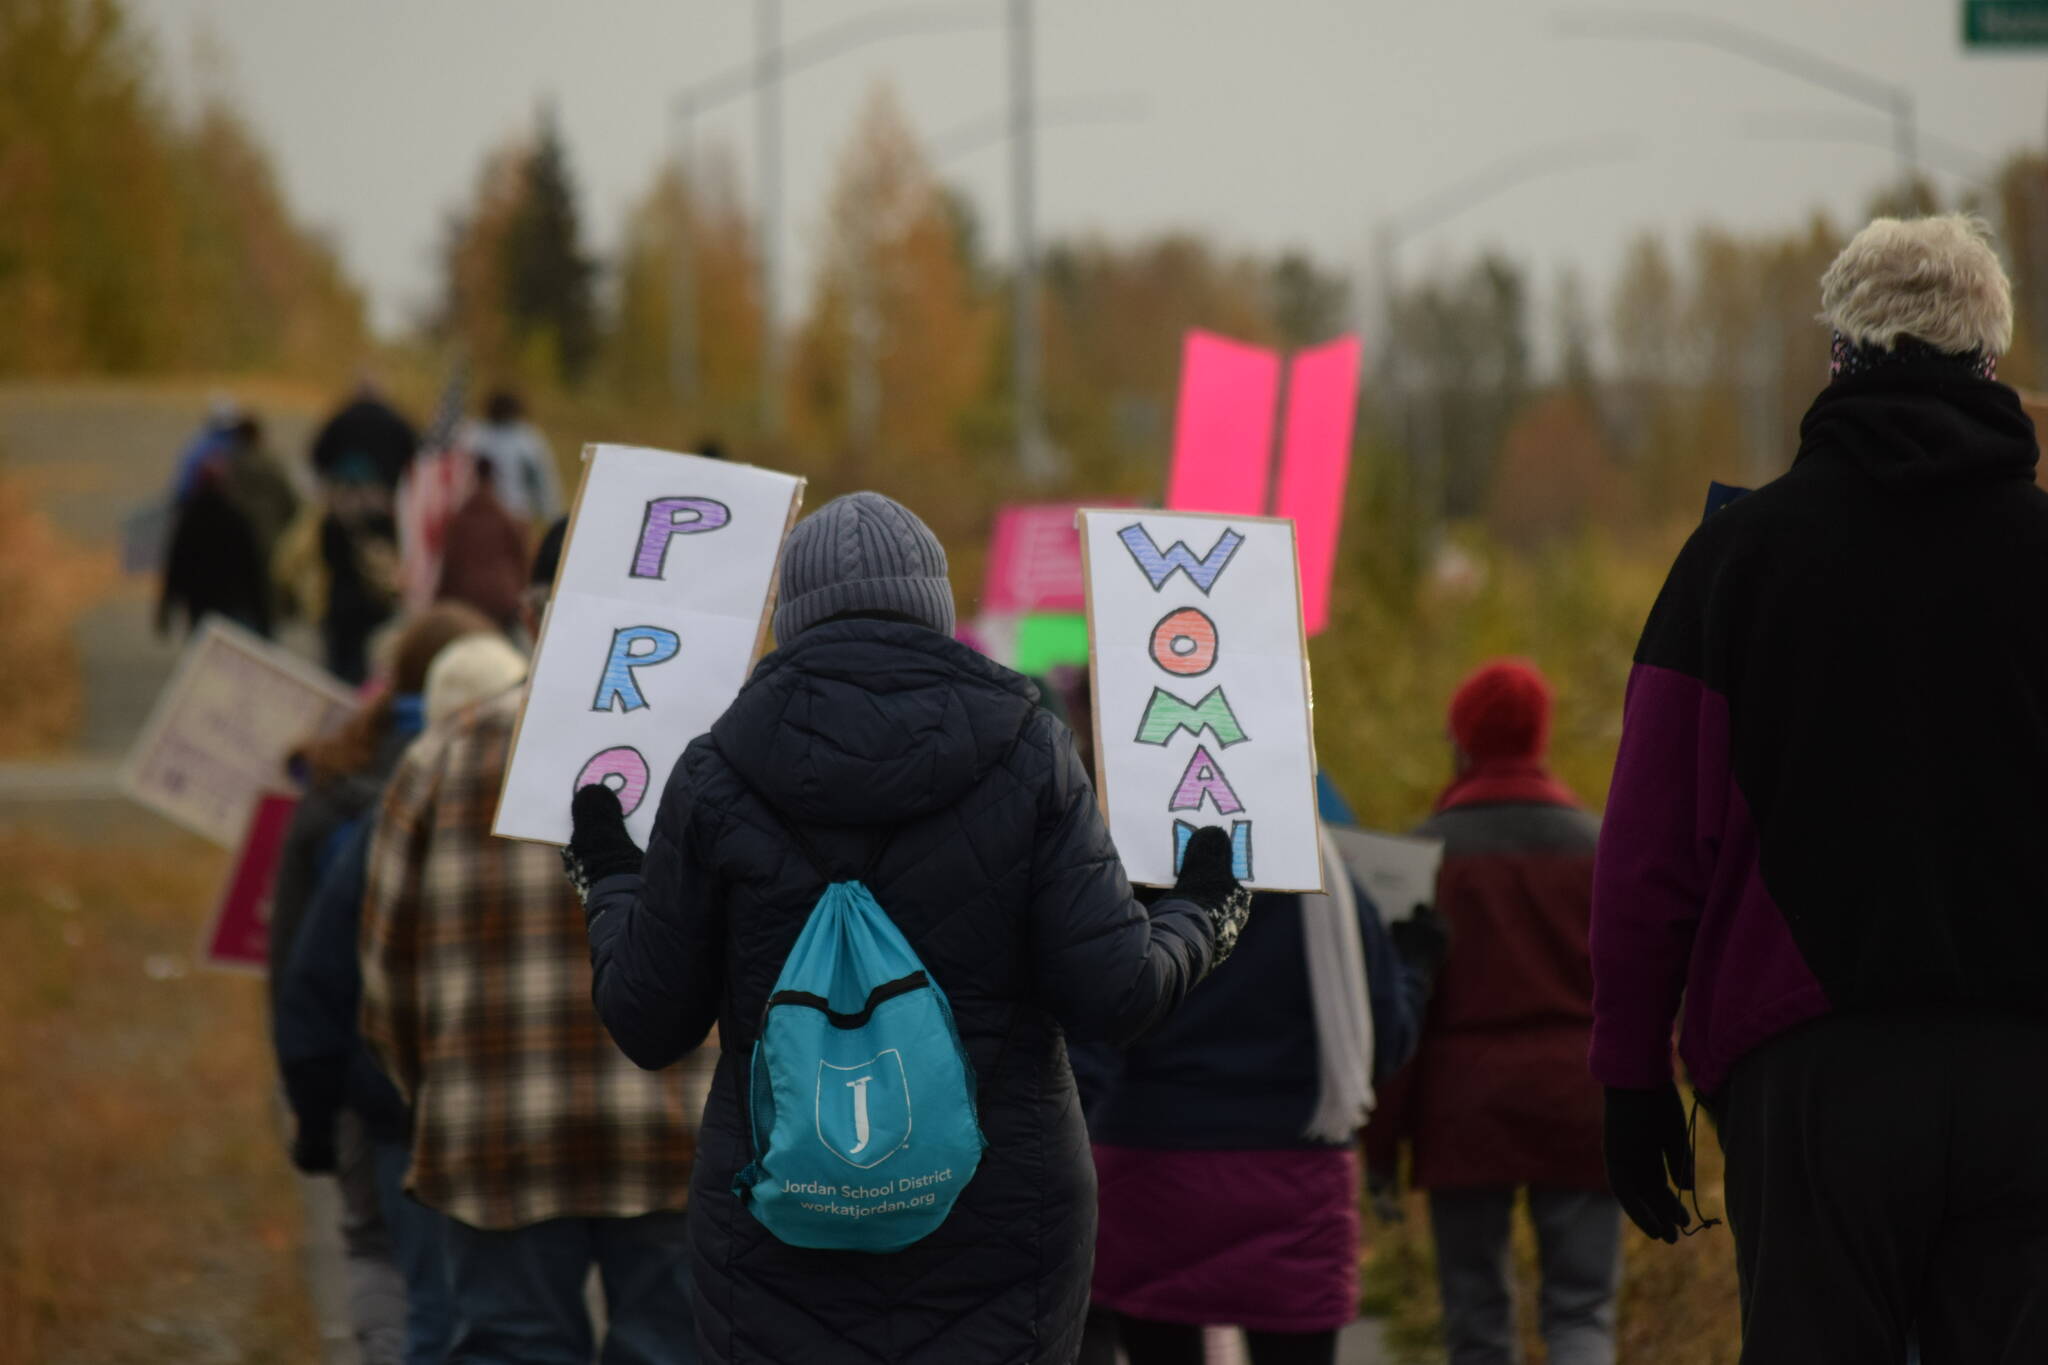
1824, 846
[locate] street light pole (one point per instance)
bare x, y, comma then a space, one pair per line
1035, 458
1705, 30
993, 128
682, 280
768, 187
762, 77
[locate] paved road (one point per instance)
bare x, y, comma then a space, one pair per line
91, 456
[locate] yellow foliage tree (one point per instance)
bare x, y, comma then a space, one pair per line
689, 339
472, 264
132, 242
1115, 317
896, 346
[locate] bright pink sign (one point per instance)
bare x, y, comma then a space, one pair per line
1315, 457
1034, 560
1222, 450
240, 934
1223, 432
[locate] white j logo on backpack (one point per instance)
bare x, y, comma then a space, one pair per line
864, 1110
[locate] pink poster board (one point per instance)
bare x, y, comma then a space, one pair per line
1315, 457
1034, 560
239, 937
1222, 432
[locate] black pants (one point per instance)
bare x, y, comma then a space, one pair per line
347, 638
1888, 1177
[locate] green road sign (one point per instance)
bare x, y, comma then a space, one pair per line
2005, 23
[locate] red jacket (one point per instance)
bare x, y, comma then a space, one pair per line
484, 558
1499, 1093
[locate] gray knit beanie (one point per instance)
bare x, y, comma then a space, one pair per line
862, 552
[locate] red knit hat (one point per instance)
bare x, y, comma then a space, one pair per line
1502, 712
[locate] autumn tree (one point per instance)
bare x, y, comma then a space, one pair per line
1114, 317
687, 329
518, 285
1554, 478
549, 279
895, 347
133, 240
1572, 317
1467, 352
1310, 304
2022, 208
472, 312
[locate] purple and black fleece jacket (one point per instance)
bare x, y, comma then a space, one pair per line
1832, 787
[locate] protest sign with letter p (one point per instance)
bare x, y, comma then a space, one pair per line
658, 611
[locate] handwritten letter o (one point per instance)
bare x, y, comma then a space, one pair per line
1184, 642
623, 769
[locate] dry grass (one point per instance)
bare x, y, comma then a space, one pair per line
146, 1212
1678, 1303
45, 581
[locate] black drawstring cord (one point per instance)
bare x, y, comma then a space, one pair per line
1692, 1151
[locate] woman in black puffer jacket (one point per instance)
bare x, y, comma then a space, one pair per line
872, 723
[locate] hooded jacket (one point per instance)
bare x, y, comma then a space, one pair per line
319, 827
1829, 792
996, 866
485, 558
213, 563
1498, 1093
320, 1049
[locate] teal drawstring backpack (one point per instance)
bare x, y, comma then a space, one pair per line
863, 1122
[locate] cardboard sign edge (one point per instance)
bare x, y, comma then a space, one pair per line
1308, 691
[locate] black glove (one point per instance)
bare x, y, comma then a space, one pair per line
1423, 940
1644, 1137
1207, 879
599, 846
1383, 1188
313, 1149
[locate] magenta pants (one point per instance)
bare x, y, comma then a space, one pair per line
1266, 1240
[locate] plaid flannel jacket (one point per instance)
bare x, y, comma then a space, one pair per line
476, 997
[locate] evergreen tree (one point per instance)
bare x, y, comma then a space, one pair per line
549, 280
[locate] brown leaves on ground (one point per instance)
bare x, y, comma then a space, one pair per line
146, 1210
45, 581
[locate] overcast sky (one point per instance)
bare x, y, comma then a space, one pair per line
1267, 123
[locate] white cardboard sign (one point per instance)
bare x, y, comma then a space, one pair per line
660, 608
220, 731
1397, 870
1201, 692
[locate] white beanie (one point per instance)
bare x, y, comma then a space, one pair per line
469, 670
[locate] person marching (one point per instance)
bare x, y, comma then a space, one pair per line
344, 1110
527, 484
484, 553
1497, 1100
1226, 1139
359, 455
548, 1151
1824, 843
871, 739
